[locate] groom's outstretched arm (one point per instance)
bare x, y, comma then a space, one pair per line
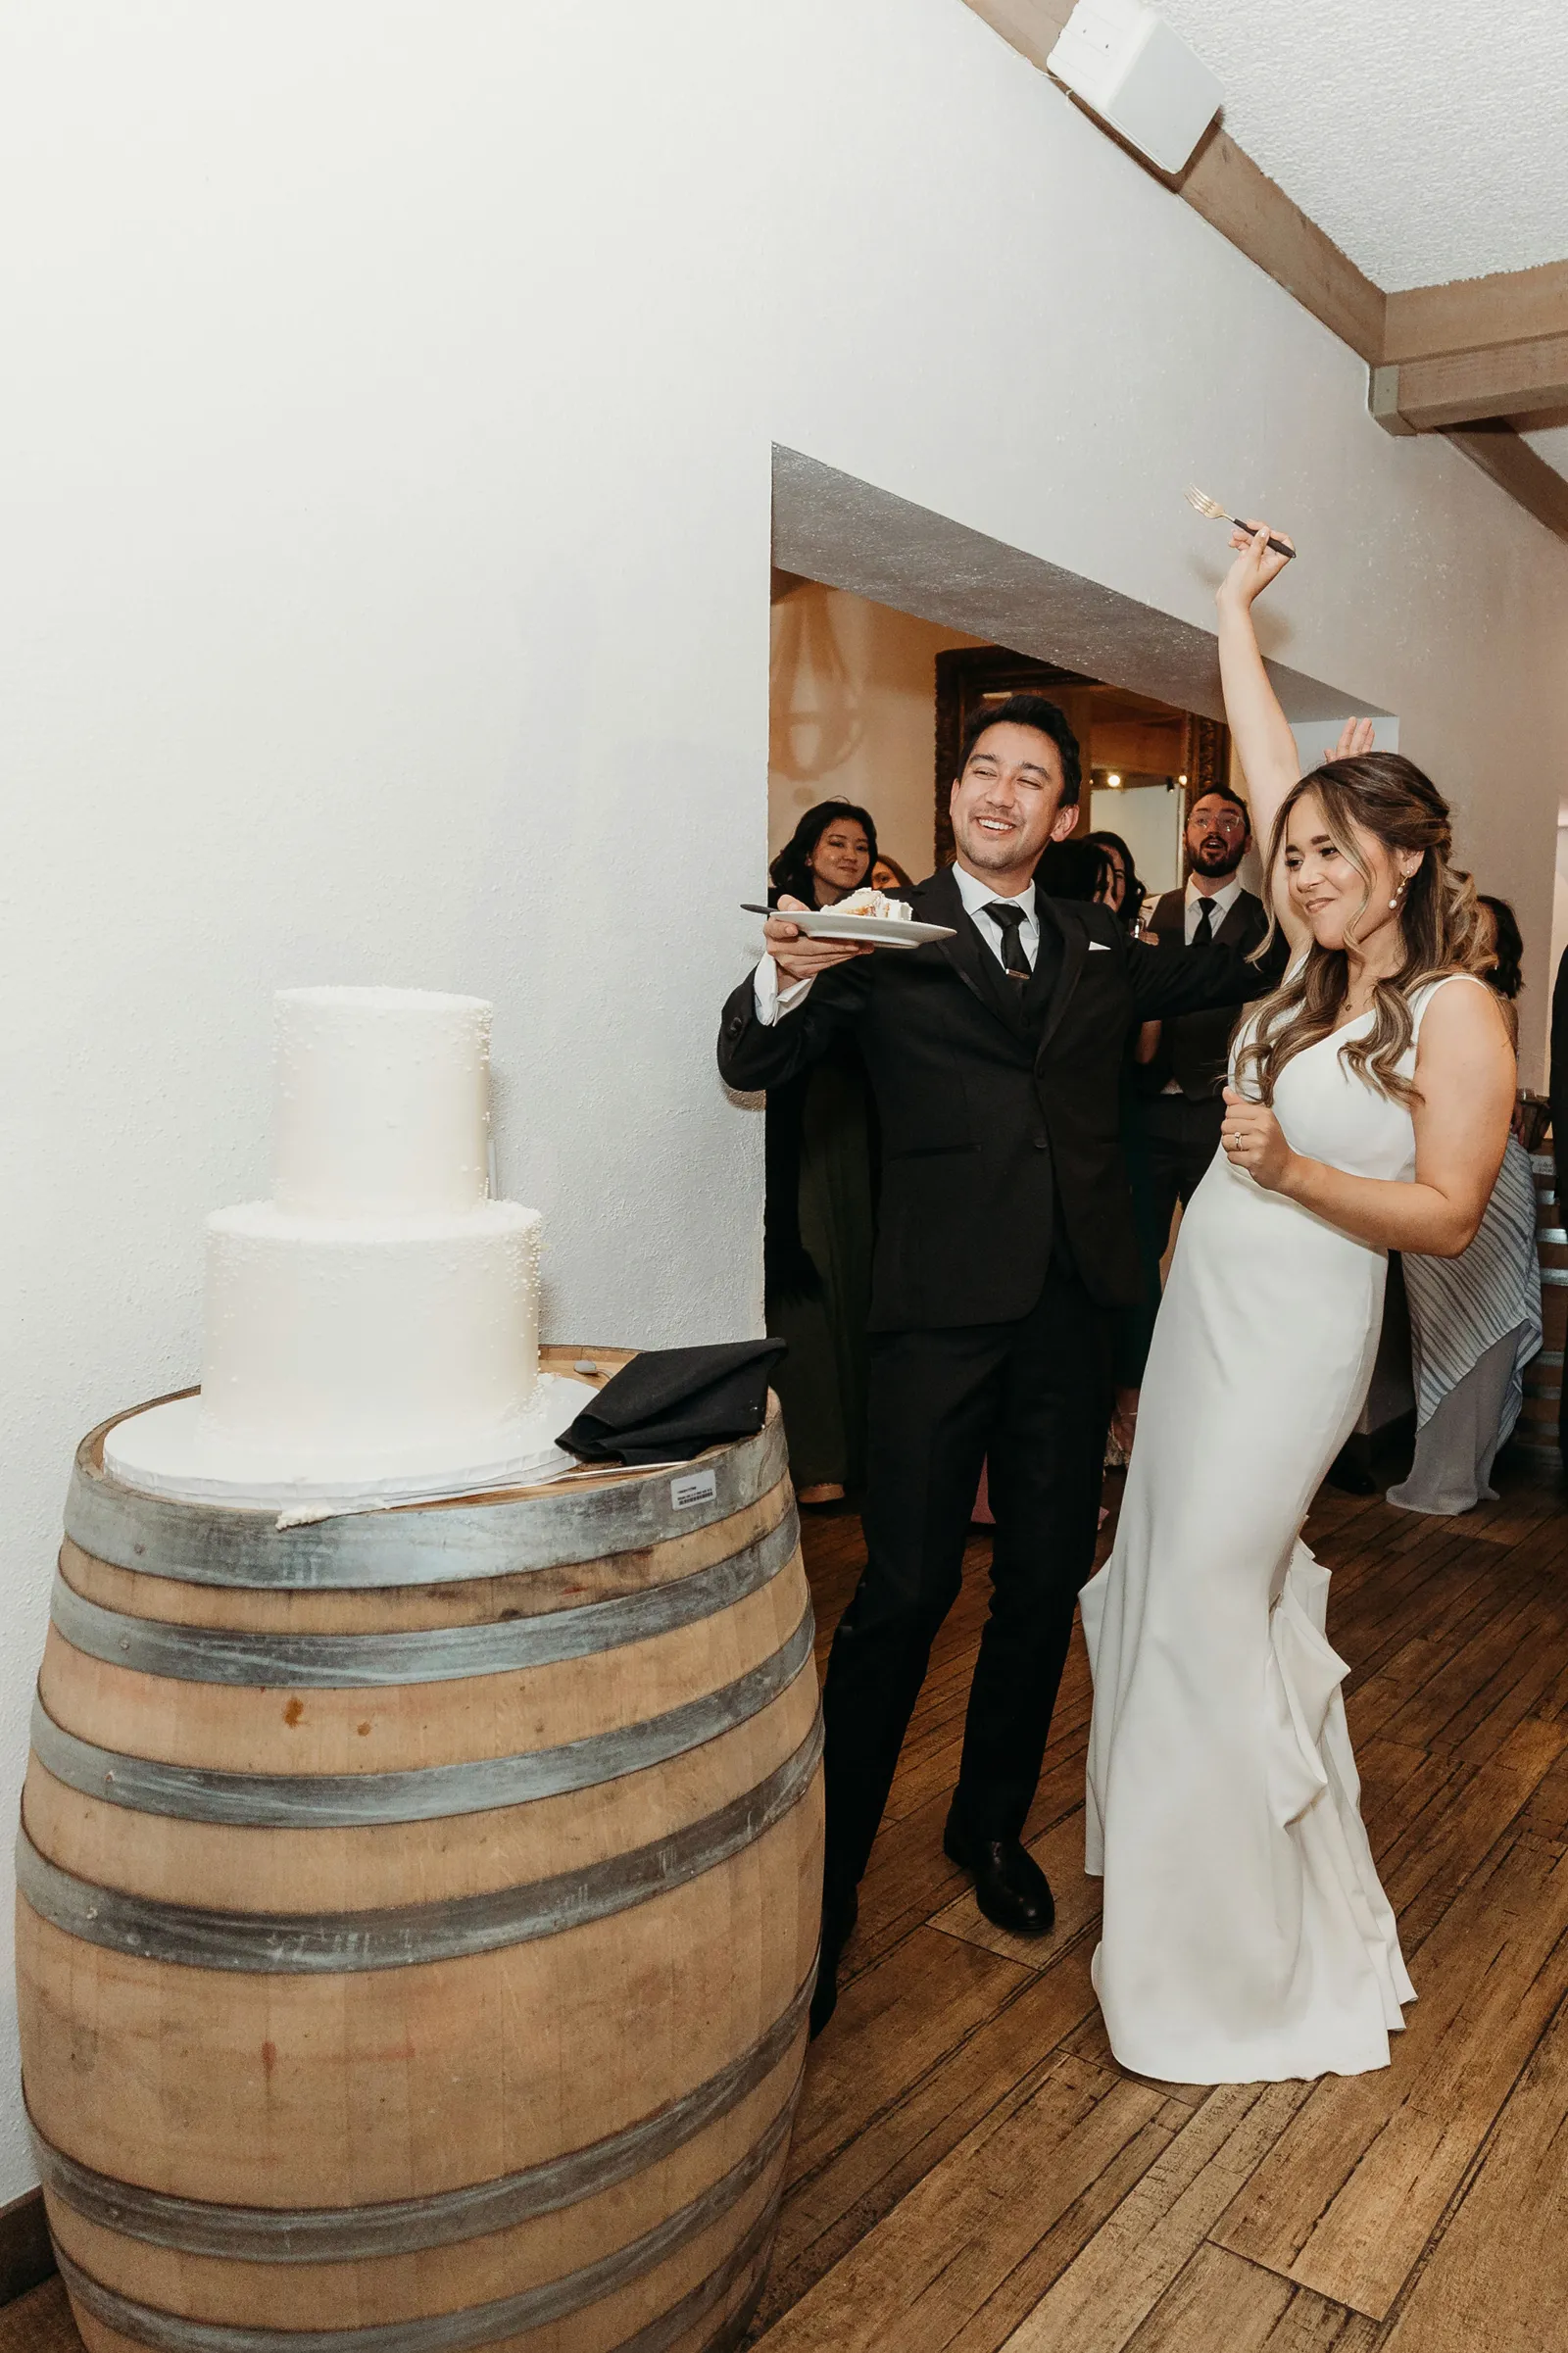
1167, 981
755, 1053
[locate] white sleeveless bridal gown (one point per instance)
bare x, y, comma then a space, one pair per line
1246, 1937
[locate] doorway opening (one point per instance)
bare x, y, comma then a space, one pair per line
869, 705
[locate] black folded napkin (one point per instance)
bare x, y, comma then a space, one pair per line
670, 1403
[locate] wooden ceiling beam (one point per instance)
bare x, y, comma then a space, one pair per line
1031, 27
1508, 458
1460, 360
1471, 314
1240, 201
1224, 184
1462, 387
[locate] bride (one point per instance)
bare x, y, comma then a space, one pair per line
1246, 1936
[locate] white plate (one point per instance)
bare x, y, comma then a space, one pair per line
826, 924
165, 1450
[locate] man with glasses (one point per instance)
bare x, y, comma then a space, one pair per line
1185, 1081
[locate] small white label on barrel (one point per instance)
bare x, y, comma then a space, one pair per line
697, 1487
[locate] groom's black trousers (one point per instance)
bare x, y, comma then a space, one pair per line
1034, 1397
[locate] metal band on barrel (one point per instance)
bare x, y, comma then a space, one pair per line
479, 2324
419, 1793
439, 1654
398, 2226
405, 1935
436, 1543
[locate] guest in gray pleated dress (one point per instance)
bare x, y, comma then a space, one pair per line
1475, 1320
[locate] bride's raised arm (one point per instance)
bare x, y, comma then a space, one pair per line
1265, 744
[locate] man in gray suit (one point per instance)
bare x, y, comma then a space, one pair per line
1185, 1082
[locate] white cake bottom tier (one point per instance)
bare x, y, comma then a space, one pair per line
357, 1343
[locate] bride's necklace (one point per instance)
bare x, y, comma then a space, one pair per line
1358, 1001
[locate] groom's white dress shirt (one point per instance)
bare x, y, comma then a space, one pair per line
772, 1001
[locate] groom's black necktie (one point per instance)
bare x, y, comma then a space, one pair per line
1204, 936
1007, 916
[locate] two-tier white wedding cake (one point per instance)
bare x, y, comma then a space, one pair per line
373, 1329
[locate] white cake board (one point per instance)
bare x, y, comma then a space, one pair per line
165, 1451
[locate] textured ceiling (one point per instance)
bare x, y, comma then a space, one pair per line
1425, 137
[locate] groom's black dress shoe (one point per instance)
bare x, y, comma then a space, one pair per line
1009, 1886
838, 1923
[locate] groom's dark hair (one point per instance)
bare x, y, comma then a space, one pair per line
1029, 711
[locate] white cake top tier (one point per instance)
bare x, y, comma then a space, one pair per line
383, 1102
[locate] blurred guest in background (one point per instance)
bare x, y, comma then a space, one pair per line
1475, 1320
1183, 1083
1134, 1327
1557, 1083
889, 878
1123, 891
1077, 869
818, 1223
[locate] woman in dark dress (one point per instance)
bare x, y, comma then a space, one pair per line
820, 1191
1134, 1327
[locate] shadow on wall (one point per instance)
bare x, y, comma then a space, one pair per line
817, 721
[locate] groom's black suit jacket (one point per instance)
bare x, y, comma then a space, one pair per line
999, 1118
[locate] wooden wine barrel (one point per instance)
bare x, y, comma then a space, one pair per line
418, 1914
1537, 1429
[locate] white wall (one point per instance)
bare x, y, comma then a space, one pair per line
388, 420
853, 715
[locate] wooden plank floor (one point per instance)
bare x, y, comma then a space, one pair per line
972, 2172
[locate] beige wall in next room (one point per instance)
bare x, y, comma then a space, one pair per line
854, 717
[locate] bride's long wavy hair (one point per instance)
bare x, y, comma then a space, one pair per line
1387, 795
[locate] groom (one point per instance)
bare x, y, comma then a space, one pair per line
1005, 1236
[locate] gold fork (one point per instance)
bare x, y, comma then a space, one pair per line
1217, 514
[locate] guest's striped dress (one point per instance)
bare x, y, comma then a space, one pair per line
1475, 1323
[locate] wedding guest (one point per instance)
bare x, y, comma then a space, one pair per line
1475, 1320
889, 878
1557, 1085
1124, 894
1183, 1081
1134, 1326
1074, 869
1005, 1233
830, 854
819, 1219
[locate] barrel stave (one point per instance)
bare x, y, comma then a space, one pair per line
184, 1862
299, 2089
411, 1608
403, 1728
685, 2304
446, 2277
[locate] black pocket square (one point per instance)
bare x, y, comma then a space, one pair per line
671, 1404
